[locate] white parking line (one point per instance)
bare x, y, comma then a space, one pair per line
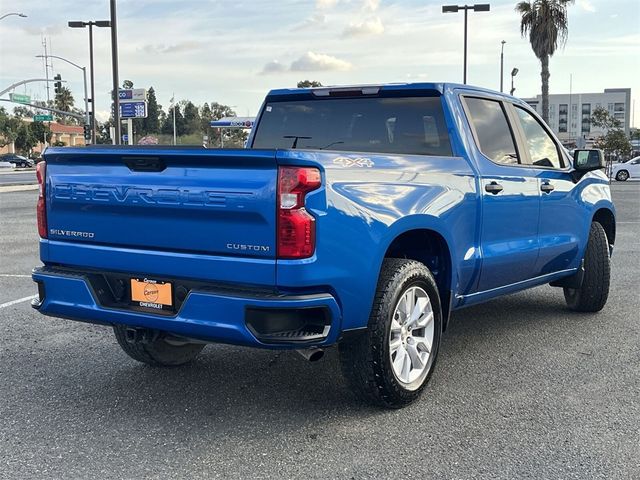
14, 275
20, 300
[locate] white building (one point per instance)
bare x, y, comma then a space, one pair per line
570, 114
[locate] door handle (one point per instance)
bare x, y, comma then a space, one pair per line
547, 187
493, 187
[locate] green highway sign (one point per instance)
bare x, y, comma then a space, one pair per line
43, 118
16, 97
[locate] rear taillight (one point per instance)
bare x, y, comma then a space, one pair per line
41, 209
296, 226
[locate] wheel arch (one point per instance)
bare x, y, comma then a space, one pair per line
431, 248
605, 217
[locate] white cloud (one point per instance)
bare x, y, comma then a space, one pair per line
586, 5
316, 62
372, 26
317, 19
274, 66
325, 4
177, 48
370, 5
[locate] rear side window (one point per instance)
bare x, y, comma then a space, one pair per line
410, 125
492, 129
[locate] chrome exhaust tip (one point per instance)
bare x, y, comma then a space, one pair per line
311, 354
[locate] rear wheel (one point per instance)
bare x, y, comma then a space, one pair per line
390, 364
594, 291
622, 176
155, 348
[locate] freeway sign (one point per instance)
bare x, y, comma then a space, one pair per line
43, 118
133, 110
18, 98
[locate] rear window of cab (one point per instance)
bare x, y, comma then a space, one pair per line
400, 125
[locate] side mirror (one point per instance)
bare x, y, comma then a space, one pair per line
587, 160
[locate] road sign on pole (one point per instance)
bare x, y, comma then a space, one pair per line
132, 94
43, 118
18, 98
133, 110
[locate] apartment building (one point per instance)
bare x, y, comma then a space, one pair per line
570, 114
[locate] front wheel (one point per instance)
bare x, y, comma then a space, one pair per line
155, 348
390, 364
622, 176
594, 291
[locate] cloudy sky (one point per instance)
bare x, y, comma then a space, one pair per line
234, 51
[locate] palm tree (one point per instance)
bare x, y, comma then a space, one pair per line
546, 23
63, 101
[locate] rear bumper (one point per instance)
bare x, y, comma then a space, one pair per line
239, 317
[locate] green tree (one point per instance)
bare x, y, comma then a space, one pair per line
219, 111
191, 118
23, 112
151, 124
205, 117
39, 130
547, 25
9, 127
309, 83
167, 126
25, 140
601, 118
615, 142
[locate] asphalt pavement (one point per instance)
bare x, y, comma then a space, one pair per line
17, 177
523, 388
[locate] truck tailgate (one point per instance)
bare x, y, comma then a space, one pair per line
187, 201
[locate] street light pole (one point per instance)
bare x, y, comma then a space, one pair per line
93, 87
502, 67
99, 23
114, 67
481, 7
13, 13
514, 72
84, 76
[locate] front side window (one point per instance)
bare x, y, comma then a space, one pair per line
493, 132
404, 125
543, 151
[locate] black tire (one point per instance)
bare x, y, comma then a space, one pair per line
622, 176
365, 359
592, 295
156, 351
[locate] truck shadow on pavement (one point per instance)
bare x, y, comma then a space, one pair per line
229, 384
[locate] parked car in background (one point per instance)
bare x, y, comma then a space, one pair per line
626, 170
17, 160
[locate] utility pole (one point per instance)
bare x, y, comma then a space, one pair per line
46, 67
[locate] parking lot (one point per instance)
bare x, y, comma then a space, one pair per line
524, 388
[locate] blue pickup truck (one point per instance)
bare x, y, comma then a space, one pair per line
357, 216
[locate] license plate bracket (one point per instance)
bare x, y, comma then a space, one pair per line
151, 293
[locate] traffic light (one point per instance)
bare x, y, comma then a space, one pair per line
87, 131
58, 84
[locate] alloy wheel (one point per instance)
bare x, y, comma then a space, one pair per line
411, 335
